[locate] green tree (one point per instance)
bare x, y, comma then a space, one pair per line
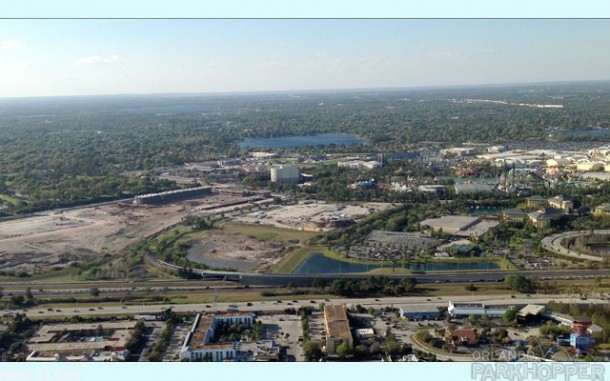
344, 349
519, 283
510, 315
95, 292
319, 283
312, 350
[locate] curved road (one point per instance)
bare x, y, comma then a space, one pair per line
552, 243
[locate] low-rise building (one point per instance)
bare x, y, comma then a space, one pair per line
360, 164
545, 217
198, 344
450, 224
530, 314
464, 310
513, 215
536, 201
562, 202
461, 337
473, 188
106, 341
406, 313
337, 327
602, 210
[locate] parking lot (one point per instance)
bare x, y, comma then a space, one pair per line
157, 328
286, 331
175, 343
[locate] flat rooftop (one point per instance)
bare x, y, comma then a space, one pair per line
412, 240
46, 332
450, 223
337, 325
197, 338
88, 339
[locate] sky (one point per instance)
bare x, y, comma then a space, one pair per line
45, 57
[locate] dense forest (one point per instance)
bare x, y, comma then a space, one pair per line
66, 150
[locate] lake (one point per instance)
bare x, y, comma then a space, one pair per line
290, 142
317, 263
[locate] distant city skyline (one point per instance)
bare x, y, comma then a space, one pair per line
101, 57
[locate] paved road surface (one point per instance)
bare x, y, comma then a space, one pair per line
410, 303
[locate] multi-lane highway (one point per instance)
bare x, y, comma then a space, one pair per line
412, 303
220, 281
437, 277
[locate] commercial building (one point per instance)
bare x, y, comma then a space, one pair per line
173, 195
451, 224
473, 188
337, 328
105, 341
464, 310
407, 240
360, 164
199, 343
406, 313
285, 174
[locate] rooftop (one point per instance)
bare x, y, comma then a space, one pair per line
531, 309
90, 338
464, 334
450, 222
337, 325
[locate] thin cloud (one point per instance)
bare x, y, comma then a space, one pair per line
11, 45
98, 60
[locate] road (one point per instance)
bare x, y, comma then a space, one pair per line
219, 280
413, 303
552, 243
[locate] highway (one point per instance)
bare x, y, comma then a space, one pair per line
219, 280
439, 277
412, 303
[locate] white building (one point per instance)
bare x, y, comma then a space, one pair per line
285, 174
360, 164
198, 344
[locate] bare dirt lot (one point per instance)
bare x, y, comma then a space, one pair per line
313, 216
235, 251
56, 238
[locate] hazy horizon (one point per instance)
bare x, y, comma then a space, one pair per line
42, 58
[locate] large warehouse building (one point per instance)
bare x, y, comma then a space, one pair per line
173, 195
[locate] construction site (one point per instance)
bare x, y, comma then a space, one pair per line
56, 239
314, 216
